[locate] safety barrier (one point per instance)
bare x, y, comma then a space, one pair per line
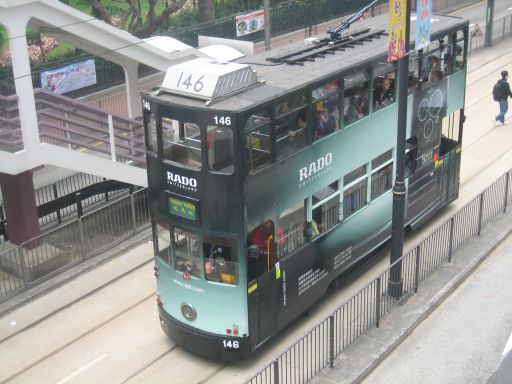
501, 29
37, 260
324, 342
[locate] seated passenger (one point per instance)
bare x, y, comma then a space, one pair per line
325, 124
353, 111
383, 95
435, 76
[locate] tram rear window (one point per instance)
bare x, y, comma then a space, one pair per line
181, 142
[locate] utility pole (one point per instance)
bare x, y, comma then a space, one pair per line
489, 23
399, 190
266, 9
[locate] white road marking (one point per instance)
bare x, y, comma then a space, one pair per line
80, 370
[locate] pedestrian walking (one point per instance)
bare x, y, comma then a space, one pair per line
500, 93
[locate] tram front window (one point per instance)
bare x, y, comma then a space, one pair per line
181, 142
220, 260
187, 252
220, 149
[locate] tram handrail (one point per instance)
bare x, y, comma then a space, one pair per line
351, 321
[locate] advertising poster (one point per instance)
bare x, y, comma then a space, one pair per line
423, 14
397, 15
70, 77
250, 23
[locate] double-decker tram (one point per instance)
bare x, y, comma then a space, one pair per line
271, 175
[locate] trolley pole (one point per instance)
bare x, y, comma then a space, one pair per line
399, 190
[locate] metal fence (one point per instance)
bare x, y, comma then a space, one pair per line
24, 266
501, 29
324, 342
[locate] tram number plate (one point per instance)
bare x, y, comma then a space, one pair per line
231, 345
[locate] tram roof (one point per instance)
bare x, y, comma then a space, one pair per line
281, 79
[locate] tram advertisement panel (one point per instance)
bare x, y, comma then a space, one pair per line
429, 108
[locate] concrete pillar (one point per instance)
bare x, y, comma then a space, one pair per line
16, 28
20, 206
132, 89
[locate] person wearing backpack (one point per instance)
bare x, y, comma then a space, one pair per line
500, 93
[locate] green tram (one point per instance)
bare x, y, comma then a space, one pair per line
271, 175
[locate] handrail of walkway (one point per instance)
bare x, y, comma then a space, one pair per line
76, 125
319, 347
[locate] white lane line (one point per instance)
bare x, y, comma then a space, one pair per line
80, 370
508, 346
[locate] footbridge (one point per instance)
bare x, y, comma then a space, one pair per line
39, 127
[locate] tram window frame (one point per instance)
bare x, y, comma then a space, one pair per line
354, 181
292, 222
326, 109
413, 77
460, 41
291, 125
355, 105
381, 72
179, 138
228, 166
382, 169
325, 209
162, 242
257, 141
151, 133
216, 252
192, 243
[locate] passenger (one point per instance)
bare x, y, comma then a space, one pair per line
326, 123
435, 67
261, 235
448, 64
383, 95
435, 76
353, 111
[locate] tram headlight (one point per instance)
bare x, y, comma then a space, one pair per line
188, 311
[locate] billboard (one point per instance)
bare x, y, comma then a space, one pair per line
396, 37
423, 15
250, 23
70, 77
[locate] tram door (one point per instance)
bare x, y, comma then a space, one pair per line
262, 290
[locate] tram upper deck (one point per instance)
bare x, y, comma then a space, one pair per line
278, 79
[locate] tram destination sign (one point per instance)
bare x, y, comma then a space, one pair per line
183, 208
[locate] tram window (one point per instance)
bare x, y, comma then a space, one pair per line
325, 209
355, 97
292, 222
220, 149
355, 191
410, 156
220, 259
459, 51
432, 69
291, 123
162, 242
382, 172
151, 138
181, 142
327, 114
187, 252
257, 141
413, 77
384, 90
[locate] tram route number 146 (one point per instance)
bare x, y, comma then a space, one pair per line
231, 345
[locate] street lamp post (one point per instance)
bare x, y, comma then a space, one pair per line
399, 190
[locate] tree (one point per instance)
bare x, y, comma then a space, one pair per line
206, 10
132, 19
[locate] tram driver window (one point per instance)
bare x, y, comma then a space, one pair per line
187, 252
355, 97
181, 142
257, 141
220, 149
220, 259
290, 125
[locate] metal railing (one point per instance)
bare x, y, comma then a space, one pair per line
501, 29
37, 260
324, 342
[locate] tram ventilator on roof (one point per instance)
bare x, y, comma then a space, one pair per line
208, 79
